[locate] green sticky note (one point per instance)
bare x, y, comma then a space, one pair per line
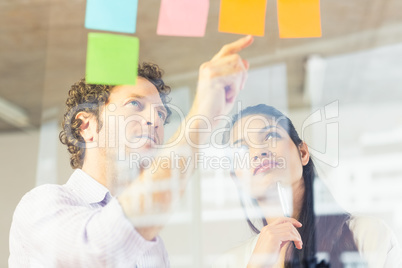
112, 59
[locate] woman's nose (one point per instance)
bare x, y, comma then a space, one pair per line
261, 155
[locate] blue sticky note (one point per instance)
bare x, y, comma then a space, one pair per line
111, 15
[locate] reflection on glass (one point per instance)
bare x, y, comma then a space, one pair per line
307, 236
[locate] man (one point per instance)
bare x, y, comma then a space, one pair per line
92, 221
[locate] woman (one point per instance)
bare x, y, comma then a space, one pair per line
276, 153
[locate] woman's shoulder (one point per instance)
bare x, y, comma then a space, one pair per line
357, 221
237, 256
367, 228
375, 241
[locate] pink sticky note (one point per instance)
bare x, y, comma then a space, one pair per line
183, 17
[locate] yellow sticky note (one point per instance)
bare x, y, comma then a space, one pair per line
299, 18
243, 16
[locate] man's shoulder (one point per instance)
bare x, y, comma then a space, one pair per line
46, 191
44, 195
45, 188
38, 202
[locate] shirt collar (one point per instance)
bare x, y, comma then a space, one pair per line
87, 187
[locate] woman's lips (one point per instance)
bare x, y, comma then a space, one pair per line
264, 166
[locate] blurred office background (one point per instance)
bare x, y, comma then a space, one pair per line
343, 92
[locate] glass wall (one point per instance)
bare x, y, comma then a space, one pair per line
342, 92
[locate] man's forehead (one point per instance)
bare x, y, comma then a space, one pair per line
142, 90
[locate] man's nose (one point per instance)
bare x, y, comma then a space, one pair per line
149, 121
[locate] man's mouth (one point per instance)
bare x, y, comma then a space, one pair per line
149, 137
265, 166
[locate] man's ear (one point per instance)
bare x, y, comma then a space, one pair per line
304, 153
88, 126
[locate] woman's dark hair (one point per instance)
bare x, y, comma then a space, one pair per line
332, 231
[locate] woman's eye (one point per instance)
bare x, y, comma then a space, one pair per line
243, 147
272, 135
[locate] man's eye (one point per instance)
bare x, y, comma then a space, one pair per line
135, 103
161, 115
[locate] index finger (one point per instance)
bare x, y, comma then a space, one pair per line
293, 221
234, 47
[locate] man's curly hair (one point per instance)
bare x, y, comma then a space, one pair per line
91, 98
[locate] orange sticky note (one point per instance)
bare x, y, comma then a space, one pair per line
243, 16
299, 18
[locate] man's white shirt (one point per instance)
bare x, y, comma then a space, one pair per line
78, 224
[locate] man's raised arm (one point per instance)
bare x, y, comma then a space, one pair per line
220, 81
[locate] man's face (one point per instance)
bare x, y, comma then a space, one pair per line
133, 120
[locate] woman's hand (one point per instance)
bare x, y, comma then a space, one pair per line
271, 240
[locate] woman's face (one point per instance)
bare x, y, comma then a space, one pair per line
264, 154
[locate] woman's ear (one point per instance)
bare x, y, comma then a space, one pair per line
304, 153
88, 126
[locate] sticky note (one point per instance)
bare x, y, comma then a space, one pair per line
111, 15
299, 18
183, 17
242, 16
112, 59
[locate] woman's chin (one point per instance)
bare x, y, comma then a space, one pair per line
262, 190
263, 186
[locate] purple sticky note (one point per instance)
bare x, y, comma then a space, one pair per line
183, 17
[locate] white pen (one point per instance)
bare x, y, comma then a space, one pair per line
282, 198
284, 203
